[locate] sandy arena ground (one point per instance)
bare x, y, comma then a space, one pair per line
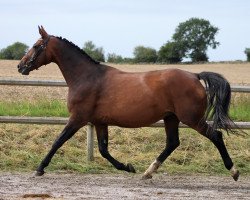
101, 186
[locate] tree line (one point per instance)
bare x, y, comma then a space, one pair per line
191, 39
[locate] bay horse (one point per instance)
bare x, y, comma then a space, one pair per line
103, 96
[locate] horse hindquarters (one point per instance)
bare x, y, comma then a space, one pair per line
195, 113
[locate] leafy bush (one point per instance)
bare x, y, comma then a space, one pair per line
97, 53
113, 58
247, 52
14, 52
145, 55
170, 53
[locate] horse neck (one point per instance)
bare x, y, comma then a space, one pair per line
75, 66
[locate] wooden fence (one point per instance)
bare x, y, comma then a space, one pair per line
90, 128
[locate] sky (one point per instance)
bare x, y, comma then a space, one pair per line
120, 25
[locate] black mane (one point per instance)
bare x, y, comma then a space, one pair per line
78, 49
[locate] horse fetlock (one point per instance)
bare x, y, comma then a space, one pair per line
152, 168
146, 176
130, 168
39, 173
235, 173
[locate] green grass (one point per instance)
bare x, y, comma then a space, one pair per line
240, 107
46, 107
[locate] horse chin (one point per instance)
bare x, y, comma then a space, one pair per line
25, 71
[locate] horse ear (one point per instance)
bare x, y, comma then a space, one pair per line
42, 32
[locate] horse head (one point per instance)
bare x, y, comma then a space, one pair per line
37, 56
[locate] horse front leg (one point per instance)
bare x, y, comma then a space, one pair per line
102, 137
70, 129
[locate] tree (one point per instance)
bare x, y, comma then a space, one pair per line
97, 53
247, 52
195, 36
145, 55
14, 52
113, 58
170, 53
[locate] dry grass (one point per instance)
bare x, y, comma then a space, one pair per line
22, 147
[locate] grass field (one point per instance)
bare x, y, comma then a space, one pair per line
22, 147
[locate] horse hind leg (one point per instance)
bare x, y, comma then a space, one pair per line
172, 142
216, 138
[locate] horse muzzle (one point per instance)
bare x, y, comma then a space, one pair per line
24, 70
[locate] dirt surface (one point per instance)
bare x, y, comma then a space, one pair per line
125, 186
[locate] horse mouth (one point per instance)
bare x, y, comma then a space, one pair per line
24, 70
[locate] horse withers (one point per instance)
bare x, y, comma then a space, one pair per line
103, 96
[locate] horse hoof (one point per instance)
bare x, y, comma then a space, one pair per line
236, 175
39, 173
130, 168
146, 176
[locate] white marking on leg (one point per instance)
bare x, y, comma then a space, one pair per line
152, 168
233, 170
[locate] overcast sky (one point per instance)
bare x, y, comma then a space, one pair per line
120, 25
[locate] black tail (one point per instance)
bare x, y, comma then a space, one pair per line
219, 96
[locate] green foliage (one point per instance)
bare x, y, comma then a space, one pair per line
128, 60
97, 53
45, 107
239, 108
247, 52
170, 53
145, 55
195, 36
113, 58
14, 52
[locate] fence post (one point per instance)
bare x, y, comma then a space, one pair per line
90, 142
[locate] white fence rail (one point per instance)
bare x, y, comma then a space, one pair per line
90, 128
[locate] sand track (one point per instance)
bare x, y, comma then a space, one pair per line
122, 186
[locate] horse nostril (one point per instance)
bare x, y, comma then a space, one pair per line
18, 66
